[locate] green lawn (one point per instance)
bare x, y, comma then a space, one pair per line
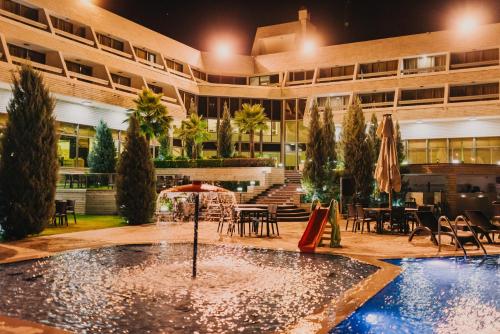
85, 223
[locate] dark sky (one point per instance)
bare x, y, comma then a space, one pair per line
201, 23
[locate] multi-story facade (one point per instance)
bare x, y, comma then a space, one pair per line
442, 87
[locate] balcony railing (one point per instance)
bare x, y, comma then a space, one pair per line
74, 37
377, 74
127, 89
483, 97
115, 51
377, 104
88, 78
299, 82
39, 66
150, 63
169, 99
336, 78
423, 70
23, 19
181, 74
474, 64
421, 101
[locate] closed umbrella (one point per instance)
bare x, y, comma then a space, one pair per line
387, 170
196, 187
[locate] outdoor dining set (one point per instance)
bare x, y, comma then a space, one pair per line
63, 208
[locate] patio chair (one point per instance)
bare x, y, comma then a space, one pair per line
60, 214
363, 219
351, 215
397, 219
70, 208
482, 225
429, 224
272, 218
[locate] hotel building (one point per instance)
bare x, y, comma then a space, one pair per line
442, 87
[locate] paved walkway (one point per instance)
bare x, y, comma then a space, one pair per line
367, 247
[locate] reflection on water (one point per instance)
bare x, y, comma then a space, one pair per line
448, 295
148, 289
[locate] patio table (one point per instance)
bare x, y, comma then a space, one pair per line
379, 216
258, 213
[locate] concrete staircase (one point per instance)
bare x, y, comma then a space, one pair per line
286, 197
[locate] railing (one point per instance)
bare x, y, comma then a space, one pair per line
422, 101
423, 70
336, 78
474, 64
23, 19
40, 66
377, 74
84, 180
127, 89
88, 78
150, 63
74, 37
378, 104
299, 82
168, 99
180, 74
115, 51
474, 98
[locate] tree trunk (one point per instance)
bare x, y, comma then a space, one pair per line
252, 148
239, 144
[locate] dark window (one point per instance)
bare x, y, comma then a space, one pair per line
226, 80
200, 75
146, 55
474, 58
155, 89
121, 80
378, 99
172, 64
477, 92
426, 95
378, 69
111, 42
336, 71
79, 68
202, 106
62, 24
21, 10
212, 107
276, 114
24, 53
424, 64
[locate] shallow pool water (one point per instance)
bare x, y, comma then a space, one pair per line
438, 295
148, 289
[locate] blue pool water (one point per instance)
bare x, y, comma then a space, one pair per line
438, 295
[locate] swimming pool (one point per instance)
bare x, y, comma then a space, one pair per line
148, 289
437, 295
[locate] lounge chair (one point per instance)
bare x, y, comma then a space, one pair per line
482, 225
429, 224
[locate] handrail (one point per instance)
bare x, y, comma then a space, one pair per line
473, 97
84, 77
74, 37
462, 218
422, 101
150, 63
128, 89
40, 66
446, 220
115, 51
377, 74
474, 64
336, 78
418, 70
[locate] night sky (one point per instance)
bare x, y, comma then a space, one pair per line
202, 23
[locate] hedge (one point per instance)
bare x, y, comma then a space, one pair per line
213, 163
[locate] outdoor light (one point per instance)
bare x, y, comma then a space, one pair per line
223, 50
467, 24
239, 189
280, 165
463, 195
308, 46
299, 190
455, 161
252, 183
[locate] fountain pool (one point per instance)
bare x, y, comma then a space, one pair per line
148, 289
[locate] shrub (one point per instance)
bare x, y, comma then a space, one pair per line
212, 163
102, 158
28, 167
135, 182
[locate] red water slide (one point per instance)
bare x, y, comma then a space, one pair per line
312, 235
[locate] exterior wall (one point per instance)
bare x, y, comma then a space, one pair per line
100, 202
78, 195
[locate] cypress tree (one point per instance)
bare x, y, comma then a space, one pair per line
400, 148
165, 147
135, 182
28, 168
372, 136
102, 158
314, 164
358, 156
225, 140
330, 180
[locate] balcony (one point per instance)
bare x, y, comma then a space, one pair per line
377, 100
297, 78
472, 59
74, 31
88, 78
127, 89
38, 66
73, 37
424, 64
336, 73
422, 96
21, 13
378, 69
474, 92
115, 51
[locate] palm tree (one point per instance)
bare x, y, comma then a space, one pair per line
249, 119
193, 132
152, 115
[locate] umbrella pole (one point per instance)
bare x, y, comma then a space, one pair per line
195, 241
390, 194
